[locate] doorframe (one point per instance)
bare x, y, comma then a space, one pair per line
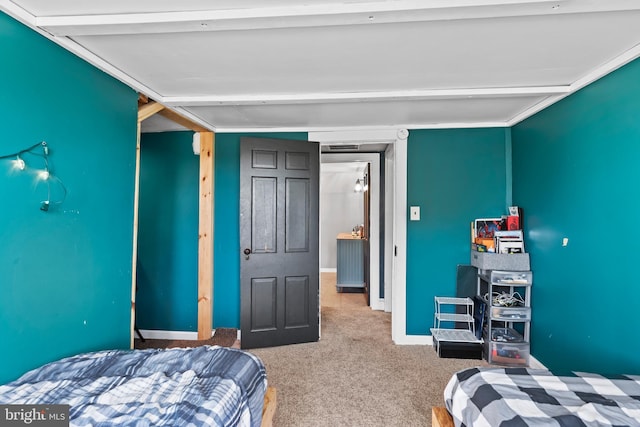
398, 138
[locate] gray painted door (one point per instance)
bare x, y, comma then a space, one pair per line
279, 259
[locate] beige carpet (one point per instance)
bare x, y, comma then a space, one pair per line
355, 375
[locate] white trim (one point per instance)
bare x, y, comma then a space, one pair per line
308, 15
377, 303
399, 286
389, 176
596, 74
535, 363
356, 135
323, 129
191, 116
394, 95
303, 15
154, 334
415, 340
397, 137
328, 270
428, 340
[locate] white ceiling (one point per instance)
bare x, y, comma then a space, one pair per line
252, 65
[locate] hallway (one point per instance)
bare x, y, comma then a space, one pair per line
330, 297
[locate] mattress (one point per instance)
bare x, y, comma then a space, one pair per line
527, 397
208, 385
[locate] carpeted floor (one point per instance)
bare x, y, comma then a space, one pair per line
355, 375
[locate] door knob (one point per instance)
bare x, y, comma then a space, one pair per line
247, 252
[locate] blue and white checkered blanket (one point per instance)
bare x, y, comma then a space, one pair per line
495, 397
202, 386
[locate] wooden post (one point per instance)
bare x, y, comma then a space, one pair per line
205, 237
134, 256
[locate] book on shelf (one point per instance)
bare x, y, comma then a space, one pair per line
478, 247
509, 234
509, 246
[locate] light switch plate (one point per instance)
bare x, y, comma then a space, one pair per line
415, 213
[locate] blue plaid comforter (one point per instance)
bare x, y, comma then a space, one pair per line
202, 386
495, 397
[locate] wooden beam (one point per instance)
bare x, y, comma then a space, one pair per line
134, 256
148, 110
182, 120
142, 99
205, 237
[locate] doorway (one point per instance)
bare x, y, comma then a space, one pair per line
395, 216
348, 205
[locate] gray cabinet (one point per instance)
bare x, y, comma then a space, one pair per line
350, 263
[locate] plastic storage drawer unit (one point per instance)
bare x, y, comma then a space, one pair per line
507, 347
511, 278
516, 354
511, 314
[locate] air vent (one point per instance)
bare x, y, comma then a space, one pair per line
343, 147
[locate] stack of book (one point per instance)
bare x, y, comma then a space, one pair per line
509, 242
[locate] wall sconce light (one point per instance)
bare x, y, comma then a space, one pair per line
358, 187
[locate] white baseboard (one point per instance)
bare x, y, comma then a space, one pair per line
377, 304
154, 334
428, 340
328, 270
414, 340
536, 364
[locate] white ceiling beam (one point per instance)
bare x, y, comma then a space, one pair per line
444, 125
324, 14
314, 98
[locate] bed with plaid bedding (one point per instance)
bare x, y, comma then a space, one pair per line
201, 386
526, 397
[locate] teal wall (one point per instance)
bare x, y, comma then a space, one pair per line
65, 274
167, 289
455, 176
168, 233
576, 174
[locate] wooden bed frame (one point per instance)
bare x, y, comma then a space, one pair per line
269, 408
440, 417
